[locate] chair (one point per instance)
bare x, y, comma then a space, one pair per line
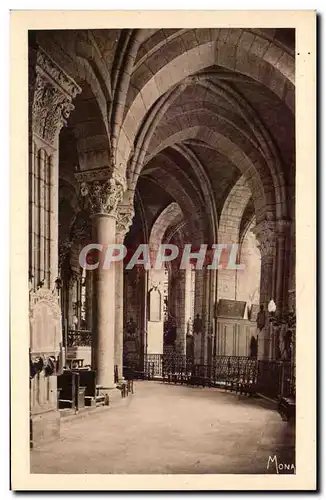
129, 376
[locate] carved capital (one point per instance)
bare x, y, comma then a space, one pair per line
52, 98
104, 192
125, 215
265, 234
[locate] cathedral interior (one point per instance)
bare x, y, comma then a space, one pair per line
181, 137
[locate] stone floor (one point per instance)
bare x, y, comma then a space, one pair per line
175, 430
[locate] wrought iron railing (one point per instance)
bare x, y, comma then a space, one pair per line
79, 338
234, 371
153, 365
274, 379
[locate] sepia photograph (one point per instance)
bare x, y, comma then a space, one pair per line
160, 281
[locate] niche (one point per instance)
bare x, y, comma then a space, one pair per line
154, 304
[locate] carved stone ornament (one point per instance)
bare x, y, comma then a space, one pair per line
45, 322
104, 194
52, 99
283, 226
94, 174
125, 215
265, 234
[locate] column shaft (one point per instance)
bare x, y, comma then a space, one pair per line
118, 345
104, 304
89, 300
265, 233
266, 289
125, 214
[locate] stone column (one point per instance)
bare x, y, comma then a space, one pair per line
283, 250
209, 325
89, 300
200, 317
125, 215
104, 190
51, 92
265, 234
282, 263
182, 306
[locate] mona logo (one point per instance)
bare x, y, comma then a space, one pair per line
279, 467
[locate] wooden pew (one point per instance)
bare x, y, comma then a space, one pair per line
87, 379
129, 376
71, 392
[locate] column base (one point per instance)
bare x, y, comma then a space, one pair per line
44, 427
104, 390
111, 395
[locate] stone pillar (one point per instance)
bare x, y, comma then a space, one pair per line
182, 306
51, 92
89, 300
265, 234
283, 255
199, 316
51, 95
104, 190
209, 317
282, 264
125, 215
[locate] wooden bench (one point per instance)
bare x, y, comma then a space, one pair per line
121, 385
129, 376
102, 399
71, 392
87, 379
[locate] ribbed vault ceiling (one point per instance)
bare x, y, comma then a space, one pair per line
185, 113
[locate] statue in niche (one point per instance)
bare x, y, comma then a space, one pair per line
261, 318
198, 324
